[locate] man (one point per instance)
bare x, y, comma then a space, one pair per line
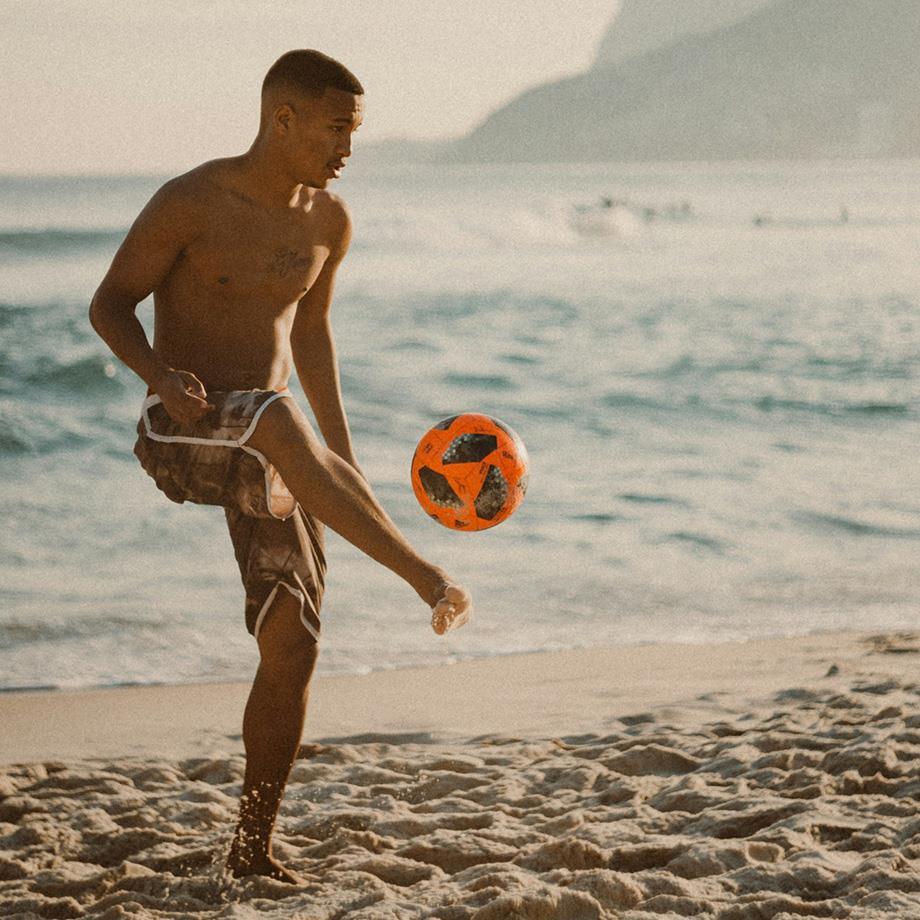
241, 255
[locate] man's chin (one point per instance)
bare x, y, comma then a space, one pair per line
316, 183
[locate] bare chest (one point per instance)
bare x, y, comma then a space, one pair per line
252, 263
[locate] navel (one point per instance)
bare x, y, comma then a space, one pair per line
223, 279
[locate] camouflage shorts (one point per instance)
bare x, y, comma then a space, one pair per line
276, 543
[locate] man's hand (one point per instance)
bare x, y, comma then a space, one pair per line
184, 396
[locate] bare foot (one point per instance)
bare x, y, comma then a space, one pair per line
452, 611
262, 865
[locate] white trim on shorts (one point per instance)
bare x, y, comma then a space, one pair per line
154, 400
300, 593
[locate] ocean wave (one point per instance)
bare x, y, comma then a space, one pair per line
648, 499
479, 381
521, 359
881, 367
697, 541
856, 528
46, 355
50, 347
778, 404
624, 400
29, 429
44, 330
450, 307
14, 442
12, 314
728, 408
17, 632
92, 374
597, 517
448, 231
55, 240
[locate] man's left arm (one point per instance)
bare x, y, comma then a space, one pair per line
313, 348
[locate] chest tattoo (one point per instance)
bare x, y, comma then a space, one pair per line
286, 261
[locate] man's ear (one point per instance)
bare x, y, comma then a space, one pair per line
281, 117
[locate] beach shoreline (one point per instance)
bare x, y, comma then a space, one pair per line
764, 779
543, 694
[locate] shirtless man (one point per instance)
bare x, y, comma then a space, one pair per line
241, 255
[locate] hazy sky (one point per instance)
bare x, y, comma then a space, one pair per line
159, 85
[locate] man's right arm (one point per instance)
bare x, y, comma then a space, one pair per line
154, 242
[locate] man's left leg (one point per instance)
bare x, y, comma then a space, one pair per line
272, 728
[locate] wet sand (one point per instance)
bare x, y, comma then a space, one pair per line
768, 779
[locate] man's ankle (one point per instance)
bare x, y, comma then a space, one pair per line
247, 849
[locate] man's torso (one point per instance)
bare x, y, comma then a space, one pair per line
224, 311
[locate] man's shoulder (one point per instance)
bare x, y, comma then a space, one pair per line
334, 214
192, 186
185, 200
333, 205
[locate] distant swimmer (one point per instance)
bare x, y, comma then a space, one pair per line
607, 216
241, 256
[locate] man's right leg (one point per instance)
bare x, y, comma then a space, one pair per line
272, 728
333, 492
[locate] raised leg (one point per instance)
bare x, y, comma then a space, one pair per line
331, 490
272, 728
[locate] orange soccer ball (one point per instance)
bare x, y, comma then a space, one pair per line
470, 472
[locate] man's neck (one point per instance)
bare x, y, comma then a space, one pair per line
262, 180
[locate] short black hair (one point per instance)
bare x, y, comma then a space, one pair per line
311, 72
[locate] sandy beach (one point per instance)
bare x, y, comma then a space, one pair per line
764, 779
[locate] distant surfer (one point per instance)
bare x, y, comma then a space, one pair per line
240, 255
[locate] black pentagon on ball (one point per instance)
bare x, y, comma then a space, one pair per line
493, 494
438, 489
445, 423
469, 448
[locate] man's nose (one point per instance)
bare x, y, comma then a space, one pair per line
343, 147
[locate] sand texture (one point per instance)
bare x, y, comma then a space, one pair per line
804, 804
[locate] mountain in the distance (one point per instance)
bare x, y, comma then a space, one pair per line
795, 79
641, 26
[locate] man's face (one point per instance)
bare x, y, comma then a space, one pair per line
319, 135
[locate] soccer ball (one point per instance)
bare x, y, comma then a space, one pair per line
470, 472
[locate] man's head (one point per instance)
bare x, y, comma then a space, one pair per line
311, 105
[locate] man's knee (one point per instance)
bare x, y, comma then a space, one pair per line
294, 663
285, 644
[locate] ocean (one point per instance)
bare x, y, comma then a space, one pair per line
718, 382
